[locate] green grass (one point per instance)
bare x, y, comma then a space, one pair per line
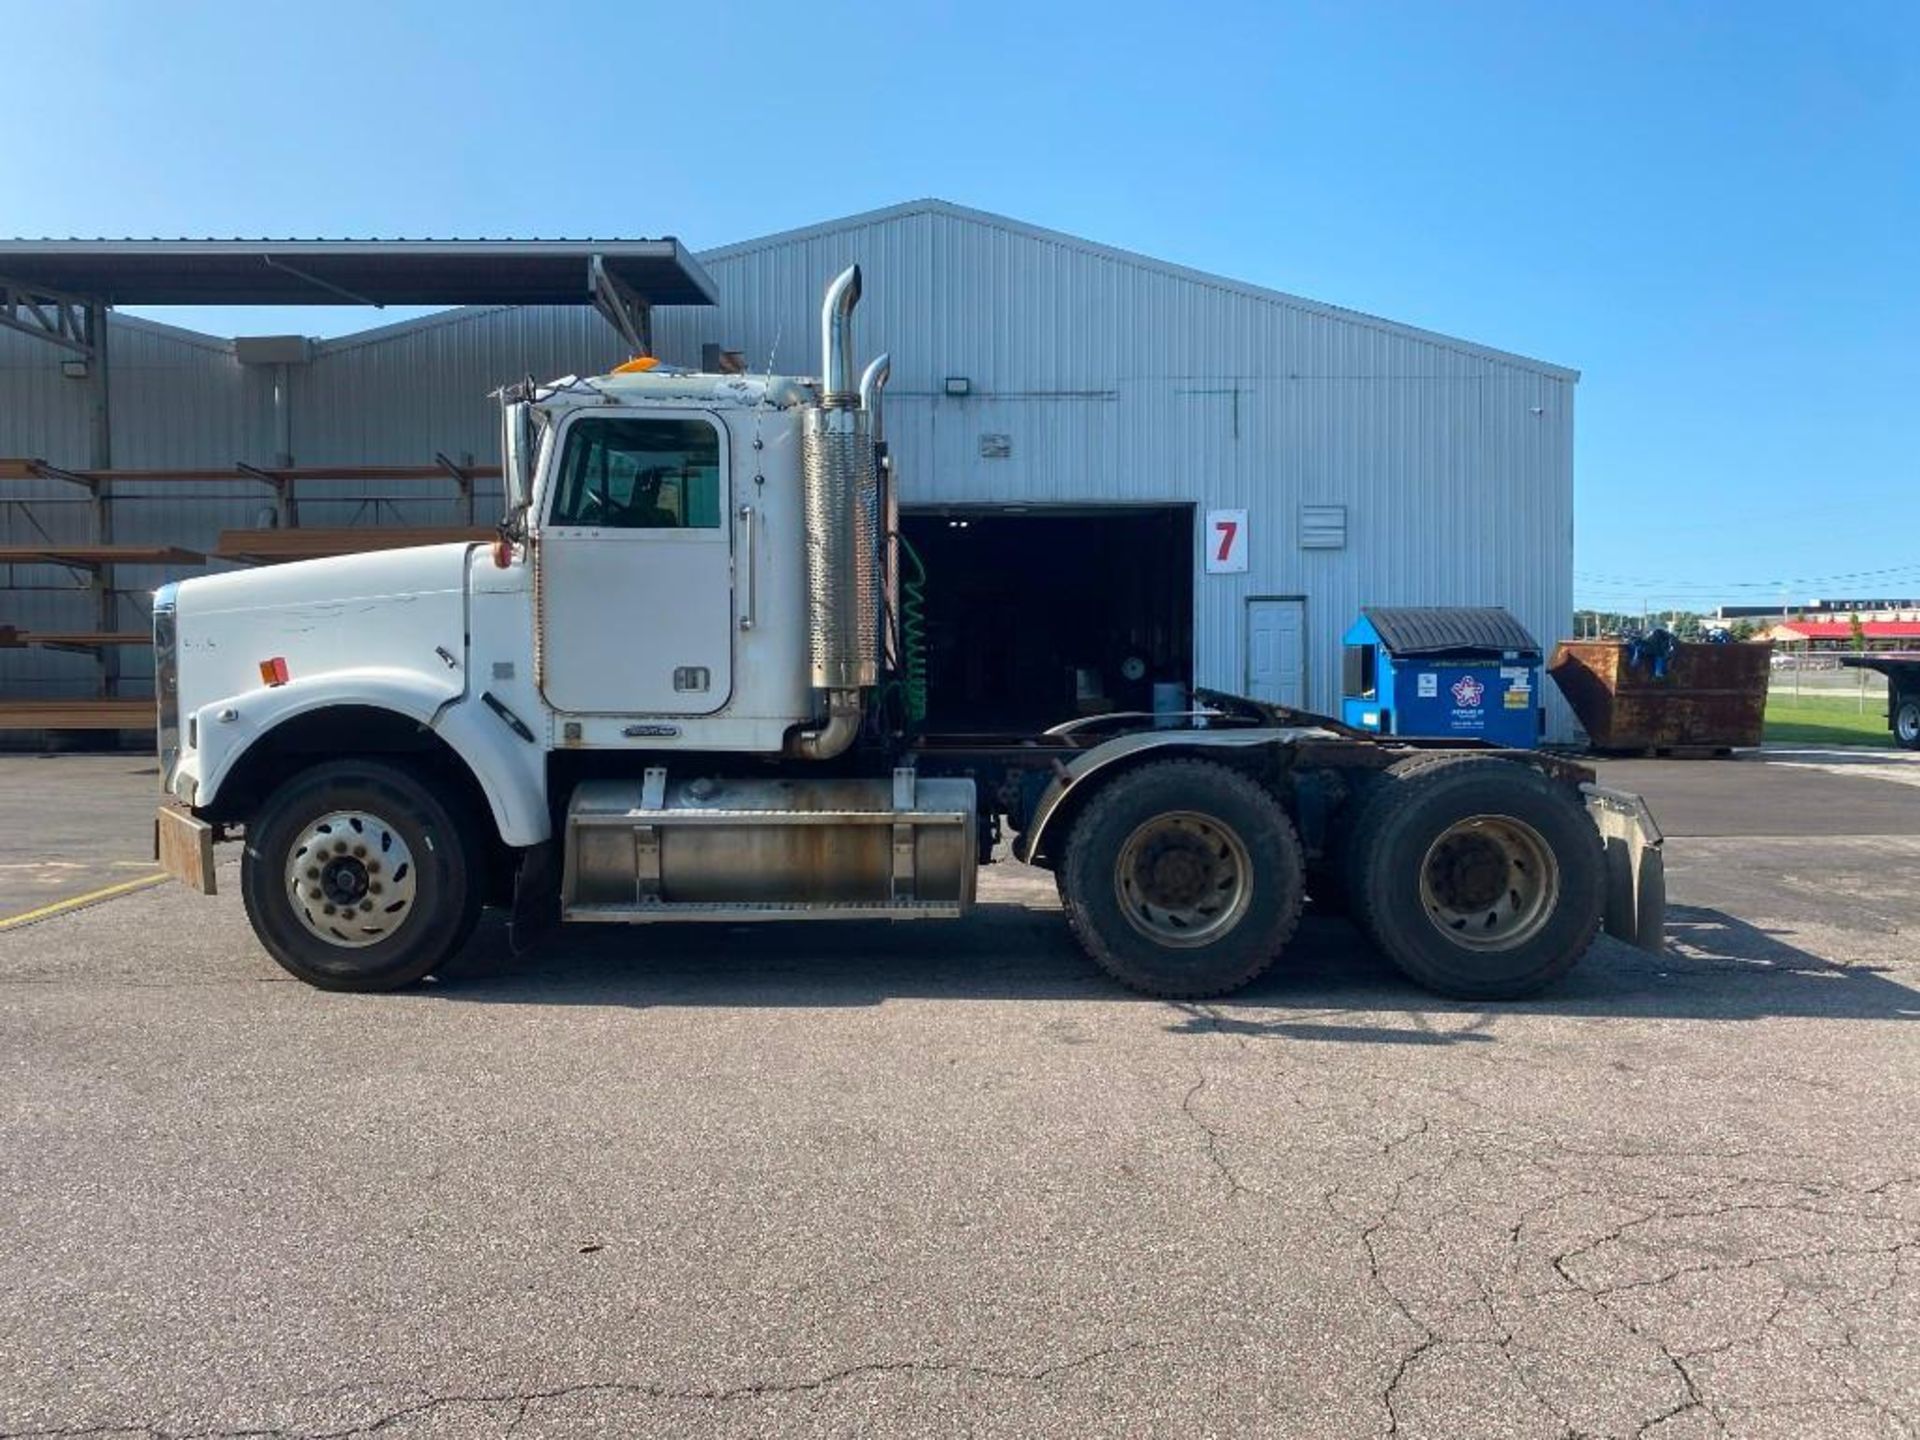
1826, 720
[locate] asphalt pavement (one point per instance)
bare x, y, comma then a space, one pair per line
902, 1180
73, 824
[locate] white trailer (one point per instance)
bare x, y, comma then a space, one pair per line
679, 689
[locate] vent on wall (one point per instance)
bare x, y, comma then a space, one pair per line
1323, 527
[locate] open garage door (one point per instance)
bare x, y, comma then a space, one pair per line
1036, 615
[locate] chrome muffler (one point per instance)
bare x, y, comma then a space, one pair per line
842, 506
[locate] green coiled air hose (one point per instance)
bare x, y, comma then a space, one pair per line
913, 633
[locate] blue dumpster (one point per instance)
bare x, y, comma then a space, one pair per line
1452, 671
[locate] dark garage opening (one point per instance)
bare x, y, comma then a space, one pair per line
1035, 616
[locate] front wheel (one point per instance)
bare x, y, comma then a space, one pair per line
1906, 722
356, 877
1183, 879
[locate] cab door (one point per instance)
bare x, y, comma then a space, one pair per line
634, 565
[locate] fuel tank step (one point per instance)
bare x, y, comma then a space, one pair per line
823, 910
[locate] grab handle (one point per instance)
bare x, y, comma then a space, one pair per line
746, 575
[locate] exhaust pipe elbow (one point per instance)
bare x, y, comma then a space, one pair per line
840, 731
872, 381
837, 383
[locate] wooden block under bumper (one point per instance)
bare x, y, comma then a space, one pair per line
183, 845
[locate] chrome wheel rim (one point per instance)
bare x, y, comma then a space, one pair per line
1183, 879
1907, 724
1489, 882
351, 879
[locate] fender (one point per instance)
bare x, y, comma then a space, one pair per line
512, 771
1124, 747
513, 783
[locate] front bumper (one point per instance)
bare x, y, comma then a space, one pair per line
183, 845
1636, 866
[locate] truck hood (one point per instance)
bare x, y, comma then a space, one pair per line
346, 580
389, 609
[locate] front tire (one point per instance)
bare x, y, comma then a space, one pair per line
1481, 879
1183, 879
356, 876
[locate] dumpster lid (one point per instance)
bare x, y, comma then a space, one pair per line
1449, 629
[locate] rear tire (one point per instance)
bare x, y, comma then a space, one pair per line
1479, 878
1183, 879
1374, 792
357, 876
1906, 722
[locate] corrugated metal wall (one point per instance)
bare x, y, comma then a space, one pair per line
394, 396
1118, 379
179, 399
1114, 378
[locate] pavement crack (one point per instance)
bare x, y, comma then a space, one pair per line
1387, 1396
1376, 1276
1406, 1137
734, 1393
1751, 1262
1214, 1136
526, 1400
1717, 1212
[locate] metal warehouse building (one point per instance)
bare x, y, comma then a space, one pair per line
1119, 472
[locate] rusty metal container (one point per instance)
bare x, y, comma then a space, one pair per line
1712, 698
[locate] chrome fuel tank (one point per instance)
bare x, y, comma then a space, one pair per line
725, 848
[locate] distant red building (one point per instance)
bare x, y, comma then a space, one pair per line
1838, 634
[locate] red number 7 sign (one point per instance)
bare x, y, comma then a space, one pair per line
1226, 541
1226, 530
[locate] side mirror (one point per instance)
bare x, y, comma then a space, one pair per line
516, 453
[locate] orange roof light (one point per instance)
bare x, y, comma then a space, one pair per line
639, 365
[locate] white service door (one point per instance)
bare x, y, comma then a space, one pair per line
1277, 652
635, 559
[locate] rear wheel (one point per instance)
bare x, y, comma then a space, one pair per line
1906, 721
1479, 878
356, 876
1183, 879
1373, 792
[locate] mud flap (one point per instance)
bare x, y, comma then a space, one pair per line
1636, 867
536, 897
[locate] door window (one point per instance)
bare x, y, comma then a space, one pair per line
627, 474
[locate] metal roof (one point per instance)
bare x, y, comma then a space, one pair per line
1449, 629
376, 272
1080, 245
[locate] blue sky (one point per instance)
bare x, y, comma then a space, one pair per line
1712, 211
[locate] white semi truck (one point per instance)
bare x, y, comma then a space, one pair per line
678, 689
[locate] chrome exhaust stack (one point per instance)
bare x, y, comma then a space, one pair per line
837, 388
842, 504
872, 381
